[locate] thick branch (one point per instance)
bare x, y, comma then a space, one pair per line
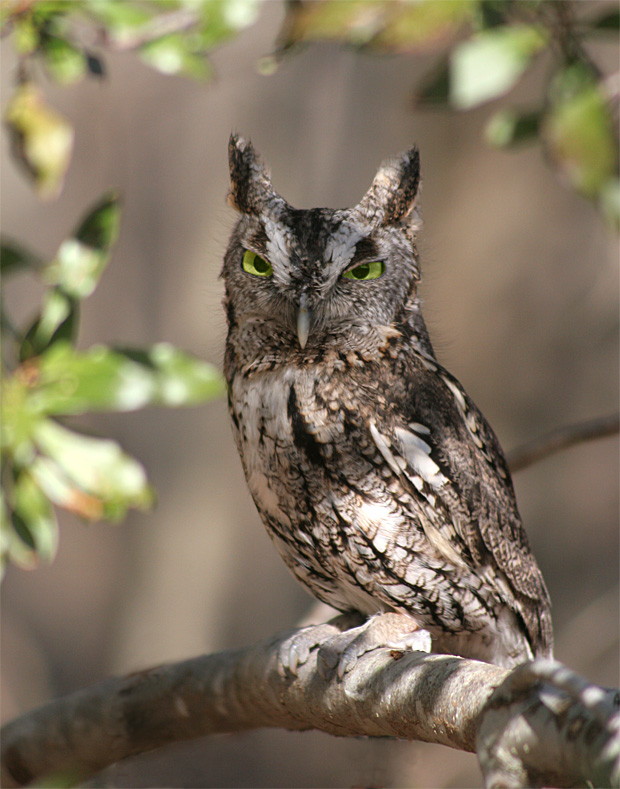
559, 439
433, 698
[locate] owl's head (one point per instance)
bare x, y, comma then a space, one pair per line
310, 279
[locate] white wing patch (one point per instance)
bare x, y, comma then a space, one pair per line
383, 445
381, 522
418, 455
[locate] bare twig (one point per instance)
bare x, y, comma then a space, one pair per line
559, 439
432, 698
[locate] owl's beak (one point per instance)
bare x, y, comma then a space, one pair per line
303, 321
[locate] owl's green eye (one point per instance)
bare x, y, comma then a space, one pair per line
366, 271
255, 264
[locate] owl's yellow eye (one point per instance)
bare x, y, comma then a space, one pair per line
366, 271
255, 264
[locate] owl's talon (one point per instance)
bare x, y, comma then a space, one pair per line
393, 631
295, 651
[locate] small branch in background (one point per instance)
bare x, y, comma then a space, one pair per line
562, 438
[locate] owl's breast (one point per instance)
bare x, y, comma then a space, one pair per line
284, 435
308, 477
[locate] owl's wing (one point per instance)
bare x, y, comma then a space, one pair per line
443, 446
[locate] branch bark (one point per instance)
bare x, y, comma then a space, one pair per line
432, 698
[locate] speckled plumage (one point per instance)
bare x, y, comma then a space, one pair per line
378, 479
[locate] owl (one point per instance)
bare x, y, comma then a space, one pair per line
380, 482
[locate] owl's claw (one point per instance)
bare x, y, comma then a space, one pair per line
295, 651
393, 631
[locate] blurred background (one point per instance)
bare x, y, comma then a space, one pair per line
521, 299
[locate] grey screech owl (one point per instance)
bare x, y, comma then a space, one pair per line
379, 481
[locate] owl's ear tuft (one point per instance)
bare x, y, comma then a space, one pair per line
392, 196
250, 185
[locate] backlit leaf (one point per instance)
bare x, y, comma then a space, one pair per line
491, 63
172, 54
66, 63
81, 259
58, 321
42, 140
90, 476
579, 132
36, 513
101, 379
509, 128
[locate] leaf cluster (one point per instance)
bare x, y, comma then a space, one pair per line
67, 40
485, 47
45, 378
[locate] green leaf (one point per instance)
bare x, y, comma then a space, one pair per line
81, 259
510, 128
26, 36
393, 27
58, 321
172, 54
42, 140
64, 62
579, 132
491, 63
34, 518
14, 257
99, 229
354, 21
411, 27
90, 476
101, 379
121, 18
237, 14
18, 421
180, 379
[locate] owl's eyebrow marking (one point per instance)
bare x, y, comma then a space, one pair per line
365, 249
259, 241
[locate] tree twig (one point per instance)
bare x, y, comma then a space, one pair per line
567, 436
432, 698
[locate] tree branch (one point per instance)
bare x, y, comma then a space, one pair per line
567, 436
433, 698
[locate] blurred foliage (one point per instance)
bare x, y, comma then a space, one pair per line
45, 377
485, 47
67, 38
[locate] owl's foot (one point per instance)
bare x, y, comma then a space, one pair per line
393, 631
295, 651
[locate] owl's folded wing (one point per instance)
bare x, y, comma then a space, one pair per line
457, 464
